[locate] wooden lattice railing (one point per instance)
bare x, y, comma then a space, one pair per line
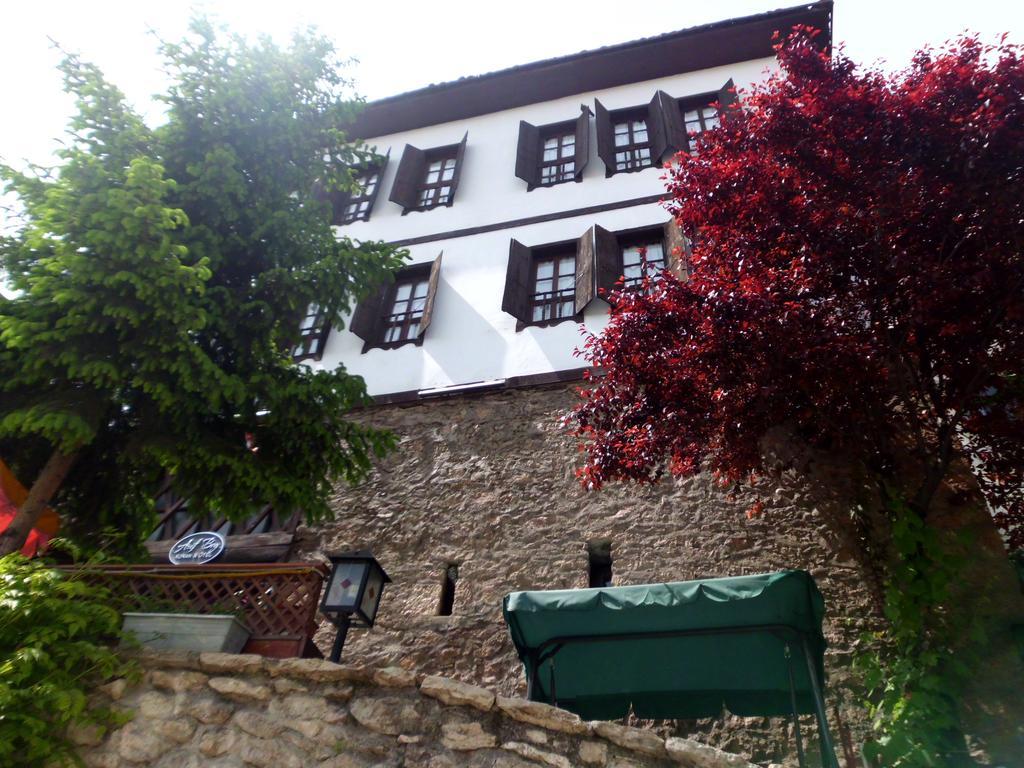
277, 601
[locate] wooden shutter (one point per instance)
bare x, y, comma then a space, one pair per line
368, 318
677, 259
726, 98
675, 127
460, 155
518, 282
582, 140
411, 172
608, 256
656, 129
605, 137
584, 270
528, 154
339, 198
428, 308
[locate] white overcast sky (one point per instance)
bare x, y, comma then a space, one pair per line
405, 45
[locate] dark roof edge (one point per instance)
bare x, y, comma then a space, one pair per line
709, 45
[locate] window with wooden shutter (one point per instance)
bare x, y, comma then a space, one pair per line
553, 154
428, 179
356, 205
625, 258
547, 284
728, 100
630, 139
313, 332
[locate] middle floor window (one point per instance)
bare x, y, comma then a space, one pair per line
398, 312
554, 284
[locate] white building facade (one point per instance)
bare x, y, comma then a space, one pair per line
472, 338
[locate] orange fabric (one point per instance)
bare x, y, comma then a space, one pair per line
12, 496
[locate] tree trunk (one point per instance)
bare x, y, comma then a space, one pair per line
12, 539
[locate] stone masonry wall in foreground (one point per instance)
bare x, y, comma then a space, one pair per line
487, 482
217, 710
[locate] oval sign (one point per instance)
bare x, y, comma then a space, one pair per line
197, 548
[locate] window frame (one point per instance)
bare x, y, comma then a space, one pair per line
698, 103
413, 277
340, 200
521, 278
317, 332
553, 253
559, 132
628, 117
413, 172
440, 155
642, 237
369, 321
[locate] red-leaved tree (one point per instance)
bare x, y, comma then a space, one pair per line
856, 278
856, 275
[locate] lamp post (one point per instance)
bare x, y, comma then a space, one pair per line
353, 590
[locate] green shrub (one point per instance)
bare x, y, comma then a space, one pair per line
56, 643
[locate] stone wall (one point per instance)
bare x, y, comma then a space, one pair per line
487, 482
217, 710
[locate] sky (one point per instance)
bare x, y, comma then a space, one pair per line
401, 45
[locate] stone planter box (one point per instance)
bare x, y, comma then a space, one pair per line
187, 632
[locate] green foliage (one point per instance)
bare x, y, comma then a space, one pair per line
926, 654
162, 274
55, 636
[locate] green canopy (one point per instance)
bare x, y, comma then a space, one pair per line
680, 650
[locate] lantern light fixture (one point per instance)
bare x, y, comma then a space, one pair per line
353, 592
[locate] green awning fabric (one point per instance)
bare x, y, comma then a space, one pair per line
682, 650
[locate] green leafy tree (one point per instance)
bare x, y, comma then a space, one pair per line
161, 275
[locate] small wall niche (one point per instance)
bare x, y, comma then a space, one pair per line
447, 601
599, 563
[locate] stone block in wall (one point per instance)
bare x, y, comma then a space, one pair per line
537, 755
636, 739
178, 681
467, 736
388, 715
544, 715
239, 690
242, 663
456, 693
693, 753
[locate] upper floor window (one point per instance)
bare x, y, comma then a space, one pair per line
553, 154
632, 142
698, 116
356, 204
400, 312
547, 284
313, 332
436, 188
640, 137
428, 178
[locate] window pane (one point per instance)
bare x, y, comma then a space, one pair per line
448, 173
421, 288
566, 281
621, 139
545, 269
566, 309
544, 286
567, 265
550, 154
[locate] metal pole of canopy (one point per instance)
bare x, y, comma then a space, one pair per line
828, 753
796, 716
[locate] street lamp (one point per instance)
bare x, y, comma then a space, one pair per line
353, 589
